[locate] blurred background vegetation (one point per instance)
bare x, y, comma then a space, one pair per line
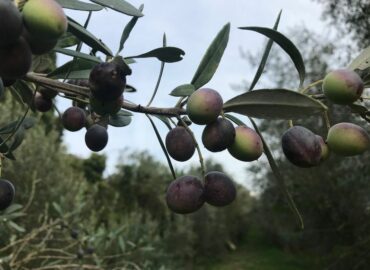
68, 215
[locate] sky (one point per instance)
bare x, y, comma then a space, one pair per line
191, 26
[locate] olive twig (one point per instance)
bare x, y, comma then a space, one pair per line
304, 90
85, 92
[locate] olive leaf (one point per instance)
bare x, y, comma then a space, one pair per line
183, 90
287, 45
274, 104
120, 6
164, 54
79, 5
77, 54
88, 38
120, 119
75, 69
211, 58
127, 30
362, 61
264, 56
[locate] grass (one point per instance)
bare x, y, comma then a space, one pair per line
258, 254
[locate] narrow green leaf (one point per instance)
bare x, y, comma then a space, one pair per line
162, 145
211, 58
183, 90
42, 63
121, 243
27, 123
129, 61
125, 113
164, 119
129, 89
120, 6
13, 208
120, 119
286, 45
14, 215
57, 208
362, 61
24, 91
127, 30
67, 40
234, 119
159, 76
85, 36
17, 138
78, 55
16, 226
164, 54
279, 177
78, 5
264, 57
274, 104
75, 69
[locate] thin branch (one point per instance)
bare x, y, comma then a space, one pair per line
85, 92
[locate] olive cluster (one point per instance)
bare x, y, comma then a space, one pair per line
106, 83
187, 194
204, 107
34, 30
303, 148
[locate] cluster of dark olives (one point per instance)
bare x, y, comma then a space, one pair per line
35, 30
303, 148
187, 194
204, 107
106, 83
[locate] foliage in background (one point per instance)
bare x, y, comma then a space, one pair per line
332, 198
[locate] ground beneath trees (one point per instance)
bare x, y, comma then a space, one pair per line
257, 254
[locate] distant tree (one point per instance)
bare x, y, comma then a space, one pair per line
332, 197
349, 16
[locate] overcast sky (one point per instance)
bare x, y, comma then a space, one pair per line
191, 26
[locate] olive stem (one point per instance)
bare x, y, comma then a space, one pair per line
327, 121
304, 90
201, 160
85, 92
290, 122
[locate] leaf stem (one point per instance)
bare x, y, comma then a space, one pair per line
308, 87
